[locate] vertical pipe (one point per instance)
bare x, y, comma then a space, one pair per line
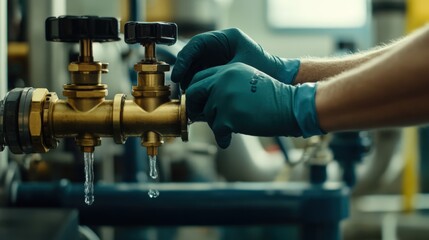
136, 8
3, 66
410, 178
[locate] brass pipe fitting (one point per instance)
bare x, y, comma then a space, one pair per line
150, 93
85, 114
151, 140
84, 94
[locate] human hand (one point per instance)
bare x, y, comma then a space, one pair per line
216, 48
241, 99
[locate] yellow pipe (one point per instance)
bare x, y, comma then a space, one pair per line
410, 179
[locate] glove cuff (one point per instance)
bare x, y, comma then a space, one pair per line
304, 109
289, 71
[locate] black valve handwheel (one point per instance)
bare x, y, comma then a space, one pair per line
150, 32
76, 28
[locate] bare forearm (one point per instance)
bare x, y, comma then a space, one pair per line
389, 90
318, 69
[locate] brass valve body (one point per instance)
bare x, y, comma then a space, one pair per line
38, 117
167, 120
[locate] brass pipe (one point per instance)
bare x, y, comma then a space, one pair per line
151, 140
87, 116
67, 122
166, 120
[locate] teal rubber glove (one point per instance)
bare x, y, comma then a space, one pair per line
217, 48
241, 99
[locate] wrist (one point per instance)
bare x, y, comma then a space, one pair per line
304, 109
289, 70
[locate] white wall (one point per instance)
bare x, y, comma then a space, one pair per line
3, 48
101, 8
3, 65
250, 16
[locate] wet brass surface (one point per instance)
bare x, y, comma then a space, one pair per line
151, 140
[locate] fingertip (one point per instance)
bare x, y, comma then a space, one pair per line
196, 98
223, 141
185, 58
178, 70
203, 74
222, 132
175, 75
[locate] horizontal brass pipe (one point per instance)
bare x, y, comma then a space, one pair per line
67, 122
164, 120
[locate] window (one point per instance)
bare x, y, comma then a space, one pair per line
316, 14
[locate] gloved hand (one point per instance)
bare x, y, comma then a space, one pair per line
241, 99
228, 46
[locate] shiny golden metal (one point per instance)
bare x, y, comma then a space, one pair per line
87, 116
36, 120
151, 140
152, 67
117, 115
50, 141
87, 67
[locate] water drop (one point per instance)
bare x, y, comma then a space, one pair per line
153, 193
89, 177
153, 173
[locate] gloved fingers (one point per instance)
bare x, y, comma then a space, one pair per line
222, 134
194, 68
223, 140
186, 58
218, 123
203, 51
198, 92
205, 74
221, 131
196, 98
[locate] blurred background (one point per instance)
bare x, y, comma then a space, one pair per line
382, 176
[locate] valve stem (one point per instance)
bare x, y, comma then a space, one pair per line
149, 53
86, 50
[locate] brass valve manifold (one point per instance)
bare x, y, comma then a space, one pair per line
87, 116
